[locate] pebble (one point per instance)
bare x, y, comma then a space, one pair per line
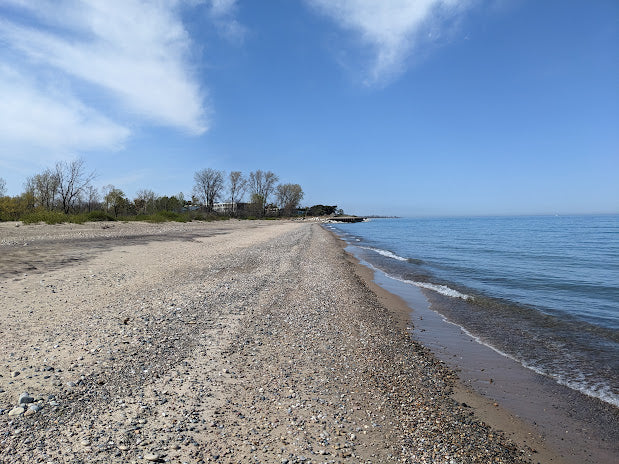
33, 409
154, 457
18, 411
15, 374
25, 398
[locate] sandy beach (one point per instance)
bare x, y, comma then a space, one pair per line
235, 341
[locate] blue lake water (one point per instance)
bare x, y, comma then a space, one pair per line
544, 290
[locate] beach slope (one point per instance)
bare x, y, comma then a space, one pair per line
223, 342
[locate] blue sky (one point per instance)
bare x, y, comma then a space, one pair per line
403, 107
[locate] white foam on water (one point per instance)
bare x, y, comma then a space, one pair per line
577, 381
385, 253
442, 289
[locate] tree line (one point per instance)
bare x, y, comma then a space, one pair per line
67, 189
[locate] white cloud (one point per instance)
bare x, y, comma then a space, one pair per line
222, 7
222, 12
133, 51
48, 122
392, 28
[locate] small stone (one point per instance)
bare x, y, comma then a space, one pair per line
25, 398
16, 411
71, 384
153, 457
85, 442
35, 407
123, 447
15, 374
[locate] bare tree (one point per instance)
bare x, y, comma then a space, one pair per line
145, 201
237, 187
72, 182
44, 188
2, 187
92, 197
288, 197
262, 184
208, 186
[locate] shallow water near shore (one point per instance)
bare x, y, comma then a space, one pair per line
569, 426
539, 290
562, 423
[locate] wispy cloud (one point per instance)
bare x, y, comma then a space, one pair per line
222, 12
393, 29
96, 62
222, 7
47, 118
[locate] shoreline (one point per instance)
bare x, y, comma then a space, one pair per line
526, 429
222, 342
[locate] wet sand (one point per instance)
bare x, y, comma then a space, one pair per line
224, 342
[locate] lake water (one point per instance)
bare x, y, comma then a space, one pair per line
542, 290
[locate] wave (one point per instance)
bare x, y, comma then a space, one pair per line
385, 253
572, 379
442, 289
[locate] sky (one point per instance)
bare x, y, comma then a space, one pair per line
386, 107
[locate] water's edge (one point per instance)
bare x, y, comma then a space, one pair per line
571, 351
554, 410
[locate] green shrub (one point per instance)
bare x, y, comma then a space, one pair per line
99, 215
77, 218
161, 216
171, 216
49, 217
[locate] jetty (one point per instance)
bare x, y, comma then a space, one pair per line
347, 219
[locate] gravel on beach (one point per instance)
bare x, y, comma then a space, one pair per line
227, 342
